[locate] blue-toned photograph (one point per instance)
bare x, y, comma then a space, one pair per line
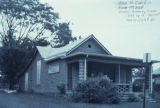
79, 54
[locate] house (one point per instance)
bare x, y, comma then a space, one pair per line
156, 76
76, 62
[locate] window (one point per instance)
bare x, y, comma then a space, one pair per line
38, 71
53, 67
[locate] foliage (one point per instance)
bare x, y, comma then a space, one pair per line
141, 95
25, 24
156, 87
61, 88
95, 90
25, 19
63, 35
133, 98
12, 62
138, 72
21, 19
138, 85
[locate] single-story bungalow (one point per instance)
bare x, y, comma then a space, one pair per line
76, 62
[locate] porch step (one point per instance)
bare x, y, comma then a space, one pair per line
123, 97
152, 100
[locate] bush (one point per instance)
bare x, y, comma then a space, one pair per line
133, 98
156, 87
61, 88
138, 85
95, 90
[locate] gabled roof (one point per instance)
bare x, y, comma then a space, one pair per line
49, 53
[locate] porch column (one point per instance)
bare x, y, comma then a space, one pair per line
119, 73
82, 69
130, 87
85, 69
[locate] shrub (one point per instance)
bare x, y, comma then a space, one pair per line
138, 85
141, 96
95, 90
133, 98
156, 87
61, 88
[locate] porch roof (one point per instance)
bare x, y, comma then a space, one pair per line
111, 59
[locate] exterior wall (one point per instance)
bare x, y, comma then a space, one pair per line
95, 48
48, 82
51, 80
31, 77
75, 74
32, 70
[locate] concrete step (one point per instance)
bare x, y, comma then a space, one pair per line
152, 100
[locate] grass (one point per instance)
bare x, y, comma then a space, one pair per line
22, 100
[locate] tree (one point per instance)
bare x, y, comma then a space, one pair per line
11, 63
25, 24
138, 72
13, 60
21, 19
63, 35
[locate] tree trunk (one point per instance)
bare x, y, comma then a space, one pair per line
11, 85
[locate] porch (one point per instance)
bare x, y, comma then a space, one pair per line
119, 70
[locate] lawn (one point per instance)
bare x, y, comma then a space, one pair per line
21, 100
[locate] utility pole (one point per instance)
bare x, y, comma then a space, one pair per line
146, 60
144, 91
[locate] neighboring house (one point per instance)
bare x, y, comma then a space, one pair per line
76, 62
156, 76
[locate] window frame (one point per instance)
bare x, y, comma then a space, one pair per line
53, 64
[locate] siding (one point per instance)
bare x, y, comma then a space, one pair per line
48, 82
51, 80
32, 75
95, 48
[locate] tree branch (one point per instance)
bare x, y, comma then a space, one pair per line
40, 33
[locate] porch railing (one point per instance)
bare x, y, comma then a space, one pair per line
124, 87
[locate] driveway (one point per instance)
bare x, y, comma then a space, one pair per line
40, 101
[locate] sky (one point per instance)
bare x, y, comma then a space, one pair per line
103, 19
